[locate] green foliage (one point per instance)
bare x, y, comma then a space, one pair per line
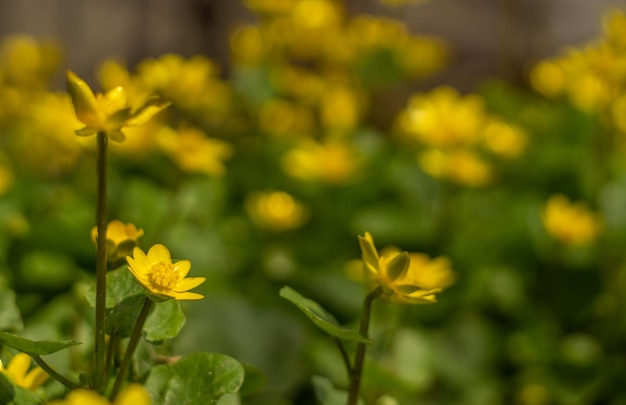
10, 317
320, 317
165, 322
33, 347
199, 378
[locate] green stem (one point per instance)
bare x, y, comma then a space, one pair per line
113, 341
344, 355
130, 349
52, 373
101, 265
357, 371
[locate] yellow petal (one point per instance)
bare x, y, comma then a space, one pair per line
18, 367
183, 267
83, 397
159, 253
369, 252
35, 379
139, 262
84, 101
187, 296
134, 394
145, 113
189, 283
114, 100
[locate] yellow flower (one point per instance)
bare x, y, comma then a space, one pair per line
17, 371
462, 166
276, 210
443, 118
409, 277
121, 239
108, 112
571, 223
193, 151
133, 394
333, 162
160, 277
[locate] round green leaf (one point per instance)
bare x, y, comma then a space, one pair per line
165, 322
320, 317
198, 378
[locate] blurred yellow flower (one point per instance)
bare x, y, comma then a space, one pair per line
460, 165
28, 62
18, 372
340, 107
193, 151
504, 139
548, 78
409, 277
276, 210
161, 278
121, 239
6, 178
133, 394
108, 112
443, 118
333, 162
570, 223
614, 25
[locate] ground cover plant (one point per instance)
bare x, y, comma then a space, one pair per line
173, 234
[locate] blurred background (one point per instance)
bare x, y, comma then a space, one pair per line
488, 136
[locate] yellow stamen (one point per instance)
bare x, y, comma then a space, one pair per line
164, 275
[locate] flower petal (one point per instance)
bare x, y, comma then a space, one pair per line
187, 284
35, 379
187, 296
134, 394
183, 267
84, 101
368, 251
18, 367
159, 253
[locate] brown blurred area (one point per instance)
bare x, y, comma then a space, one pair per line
487, 37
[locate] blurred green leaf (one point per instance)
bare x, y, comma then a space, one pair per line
47, 269
10, 318
198, 378
33, 347
255, 380
165, 322
320, 317
25, 397
326, 394
7, 389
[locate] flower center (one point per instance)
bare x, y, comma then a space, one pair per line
164, 275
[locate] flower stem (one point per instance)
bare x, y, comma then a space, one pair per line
101, 265
344, 356
52, 373
357, 371
130, 349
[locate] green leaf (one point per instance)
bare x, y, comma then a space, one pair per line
33, 347
326, 394
398, 266
121, 285
25, 397
122, 318
254, 382
7, 389
165, 322
10, 318
320, 317
198, 378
